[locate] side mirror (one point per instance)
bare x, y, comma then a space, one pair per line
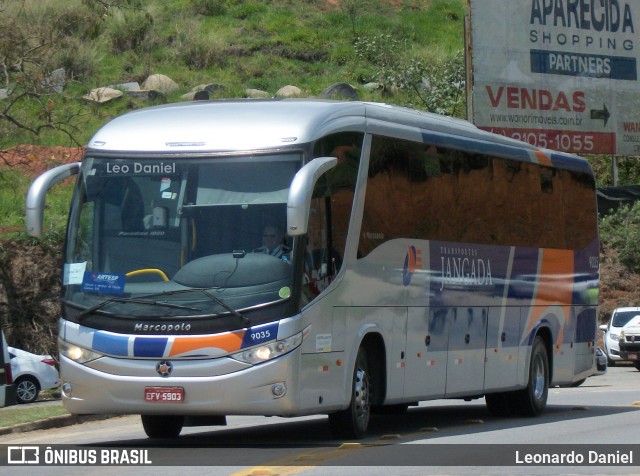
300, 193
34, 214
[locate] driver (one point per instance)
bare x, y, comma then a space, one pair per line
273, 243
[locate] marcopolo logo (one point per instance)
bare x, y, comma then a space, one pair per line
412, 261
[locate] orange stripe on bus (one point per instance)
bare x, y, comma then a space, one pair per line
228, 342
542, 158
555, 285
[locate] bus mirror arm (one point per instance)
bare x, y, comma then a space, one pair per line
34, 215
301, 191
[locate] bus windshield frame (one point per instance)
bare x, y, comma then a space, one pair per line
179, 237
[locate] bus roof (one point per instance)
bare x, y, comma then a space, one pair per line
254, 124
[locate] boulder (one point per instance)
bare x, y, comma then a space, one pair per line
256, 94
161, 83
103, 94
288, 92
340, 91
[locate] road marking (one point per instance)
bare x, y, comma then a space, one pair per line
288, 465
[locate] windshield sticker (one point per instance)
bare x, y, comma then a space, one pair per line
73, 273
323, 342
284, 292
165, 183
103, 283
140, 168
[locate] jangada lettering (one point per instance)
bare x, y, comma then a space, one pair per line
597, 15
465, 272
181, 327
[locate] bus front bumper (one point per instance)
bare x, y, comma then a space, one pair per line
266, 389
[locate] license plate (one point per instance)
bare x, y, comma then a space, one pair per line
632, 356
164, 394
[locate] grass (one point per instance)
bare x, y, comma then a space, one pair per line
241, 44
18, 414
13, 186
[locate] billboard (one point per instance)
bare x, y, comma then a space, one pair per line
559, 74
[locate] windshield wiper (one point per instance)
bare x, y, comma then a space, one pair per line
224, 305
146, 300
151, 302
204, 291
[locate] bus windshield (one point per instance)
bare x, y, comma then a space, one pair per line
169, 237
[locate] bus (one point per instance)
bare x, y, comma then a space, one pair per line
420, 258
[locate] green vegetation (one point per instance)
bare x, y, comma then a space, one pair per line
29, 413
621, 231
13, 187
412, 49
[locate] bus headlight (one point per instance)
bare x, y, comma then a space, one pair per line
76, 353
272, 350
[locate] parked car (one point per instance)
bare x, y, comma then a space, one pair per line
619, 318
32, 373
601, 361
630, 342
601, 368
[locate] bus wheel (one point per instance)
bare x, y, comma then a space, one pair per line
532, 400
353, 421
162, 426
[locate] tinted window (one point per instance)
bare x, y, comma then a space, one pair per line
421, 191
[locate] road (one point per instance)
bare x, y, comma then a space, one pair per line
584, 420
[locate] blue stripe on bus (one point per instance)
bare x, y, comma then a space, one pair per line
149, 346
558, 159
260, 334
110, 344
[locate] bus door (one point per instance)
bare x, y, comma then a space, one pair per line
426, 365
466, 350
503, 341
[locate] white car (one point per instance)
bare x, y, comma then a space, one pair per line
619, 318
32, 373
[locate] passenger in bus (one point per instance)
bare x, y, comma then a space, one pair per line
273, 243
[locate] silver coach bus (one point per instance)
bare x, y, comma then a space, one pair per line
418, 258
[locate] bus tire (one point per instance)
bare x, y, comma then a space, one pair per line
162, 426
354, 420
532, 400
